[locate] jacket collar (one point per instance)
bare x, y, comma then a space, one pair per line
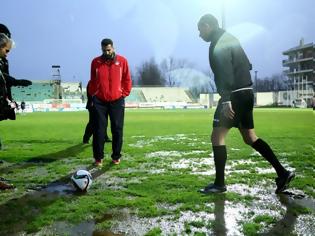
216, 34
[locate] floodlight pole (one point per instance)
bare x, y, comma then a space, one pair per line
256, 87
223, 14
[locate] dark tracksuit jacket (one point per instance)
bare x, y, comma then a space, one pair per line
5, 113
10, 81
229, 63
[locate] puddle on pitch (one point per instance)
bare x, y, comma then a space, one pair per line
156, 171
163, 154
191, 163
54, 190
85, 228
223, 217
167, 138
204, 166
60, 189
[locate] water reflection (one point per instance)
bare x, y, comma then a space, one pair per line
294, 203
18, 213
219, 227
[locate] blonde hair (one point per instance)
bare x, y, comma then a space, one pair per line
4, 40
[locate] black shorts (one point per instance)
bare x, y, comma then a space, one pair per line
242, 104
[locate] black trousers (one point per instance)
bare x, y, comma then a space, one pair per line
89, 128
100, 112
88, 132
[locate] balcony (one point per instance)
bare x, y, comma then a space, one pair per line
296, 60
288, 72
309, 46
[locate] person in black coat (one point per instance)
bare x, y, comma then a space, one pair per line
5, 106
89, 126
231, 69
9, 80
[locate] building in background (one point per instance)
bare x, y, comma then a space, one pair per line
301, 73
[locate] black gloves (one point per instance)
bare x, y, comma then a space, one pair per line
24, 82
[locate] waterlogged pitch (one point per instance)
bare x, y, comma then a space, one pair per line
167, 157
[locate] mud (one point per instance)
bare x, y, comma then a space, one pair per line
224, 217
85, 228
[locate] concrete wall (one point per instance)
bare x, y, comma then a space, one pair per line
281, 98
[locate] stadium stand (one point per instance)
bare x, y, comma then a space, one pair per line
38, 91
136, 96
71, 90
54, 95
165, 94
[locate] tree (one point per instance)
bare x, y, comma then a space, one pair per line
276, 82
171, 64
149, 74
211, 84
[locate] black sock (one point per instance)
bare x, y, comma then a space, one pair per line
264, 149
220, 156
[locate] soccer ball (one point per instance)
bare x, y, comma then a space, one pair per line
82, 180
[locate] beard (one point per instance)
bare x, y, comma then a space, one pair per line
108, 56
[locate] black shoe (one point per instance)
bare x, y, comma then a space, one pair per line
5, 186
213, 188
283, 182
85, 141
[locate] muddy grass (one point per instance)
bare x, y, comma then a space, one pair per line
270, 215
154, 191
245, 209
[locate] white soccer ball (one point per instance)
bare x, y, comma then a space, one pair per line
82, 180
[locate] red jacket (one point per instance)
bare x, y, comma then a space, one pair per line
110, 80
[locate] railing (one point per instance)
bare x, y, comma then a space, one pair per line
297, 60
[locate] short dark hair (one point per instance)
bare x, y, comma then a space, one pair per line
106, 42
210, 20
5, 30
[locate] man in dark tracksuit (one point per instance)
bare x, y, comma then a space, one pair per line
231, 69
5, 47
110, 83
10, 81
88, 132
6, 82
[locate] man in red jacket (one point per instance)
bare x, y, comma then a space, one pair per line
110, 83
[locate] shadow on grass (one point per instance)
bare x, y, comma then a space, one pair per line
295, 205
46, 158
17, 215
39, 141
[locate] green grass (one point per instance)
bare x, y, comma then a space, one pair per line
40, 148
